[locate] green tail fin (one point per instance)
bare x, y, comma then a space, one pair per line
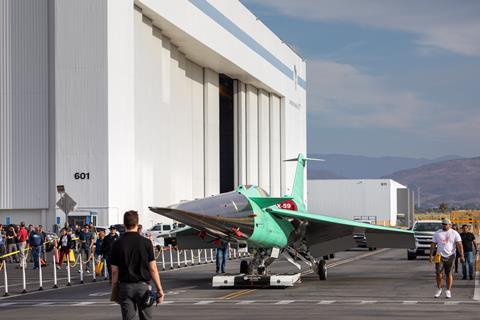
299, 180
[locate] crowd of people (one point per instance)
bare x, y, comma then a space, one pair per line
16, 239
21, 244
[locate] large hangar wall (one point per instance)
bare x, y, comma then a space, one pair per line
177, 126
23, 108
169, 121
119, 102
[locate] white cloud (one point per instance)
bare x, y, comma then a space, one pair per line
451, 25
346, 96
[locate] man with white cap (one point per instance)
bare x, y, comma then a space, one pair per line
445, 242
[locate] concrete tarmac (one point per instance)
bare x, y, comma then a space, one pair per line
361, 285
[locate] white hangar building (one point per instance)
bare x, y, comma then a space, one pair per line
130, 104
381, 201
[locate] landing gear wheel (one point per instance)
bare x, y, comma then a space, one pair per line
411, 256
261, 270
244, 267
325, 257
370, 249
322, 270
332, 256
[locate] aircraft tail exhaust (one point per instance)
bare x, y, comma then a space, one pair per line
299, 181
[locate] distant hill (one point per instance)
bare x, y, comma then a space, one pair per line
456, 182
339, 166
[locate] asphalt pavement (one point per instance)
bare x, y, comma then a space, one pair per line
361, 285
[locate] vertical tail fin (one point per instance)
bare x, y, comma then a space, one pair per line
299, 180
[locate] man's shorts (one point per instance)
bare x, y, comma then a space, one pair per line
445, 264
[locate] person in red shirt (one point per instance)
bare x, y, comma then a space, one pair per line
22, 237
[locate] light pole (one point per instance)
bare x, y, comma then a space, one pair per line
418, 198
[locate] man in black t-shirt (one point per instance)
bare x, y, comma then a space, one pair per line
133, 267
107, 246
468, 242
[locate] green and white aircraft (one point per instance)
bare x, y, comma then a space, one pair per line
274, 226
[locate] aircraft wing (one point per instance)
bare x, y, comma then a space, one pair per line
327, 234
190, 238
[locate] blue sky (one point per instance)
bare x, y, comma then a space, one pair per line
386, 77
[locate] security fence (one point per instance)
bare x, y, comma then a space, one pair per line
23, 276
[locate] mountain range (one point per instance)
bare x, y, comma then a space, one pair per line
455, 182
362, 167
449, 179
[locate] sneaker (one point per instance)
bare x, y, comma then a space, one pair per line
471, 277
88, 271
448, 294
464, 278
438, 293
59, 268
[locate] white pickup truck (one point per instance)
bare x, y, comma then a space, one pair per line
424, 230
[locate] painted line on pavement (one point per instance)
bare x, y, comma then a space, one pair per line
237, 294
43, 304
327, 302
246, 302
204, 302
102, 303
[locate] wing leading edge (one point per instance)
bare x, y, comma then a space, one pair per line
327, 234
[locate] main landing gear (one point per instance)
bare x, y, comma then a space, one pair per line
322, 270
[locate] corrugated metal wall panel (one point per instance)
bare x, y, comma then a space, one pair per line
24, 104
81, 99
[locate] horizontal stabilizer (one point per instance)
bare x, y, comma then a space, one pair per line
307, 159
265, 202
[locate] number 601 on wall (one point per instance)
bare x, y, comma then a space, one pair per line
82, 175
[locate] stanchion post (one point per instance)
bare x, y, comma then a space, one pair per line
185, 262
178, 258
211, 255
40, 275
205, 255
191, 255
199, 256
94, 271
163, 258
5, 278
171, 256
55, 286
81, 266
105, 269
23, 275
69, 283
